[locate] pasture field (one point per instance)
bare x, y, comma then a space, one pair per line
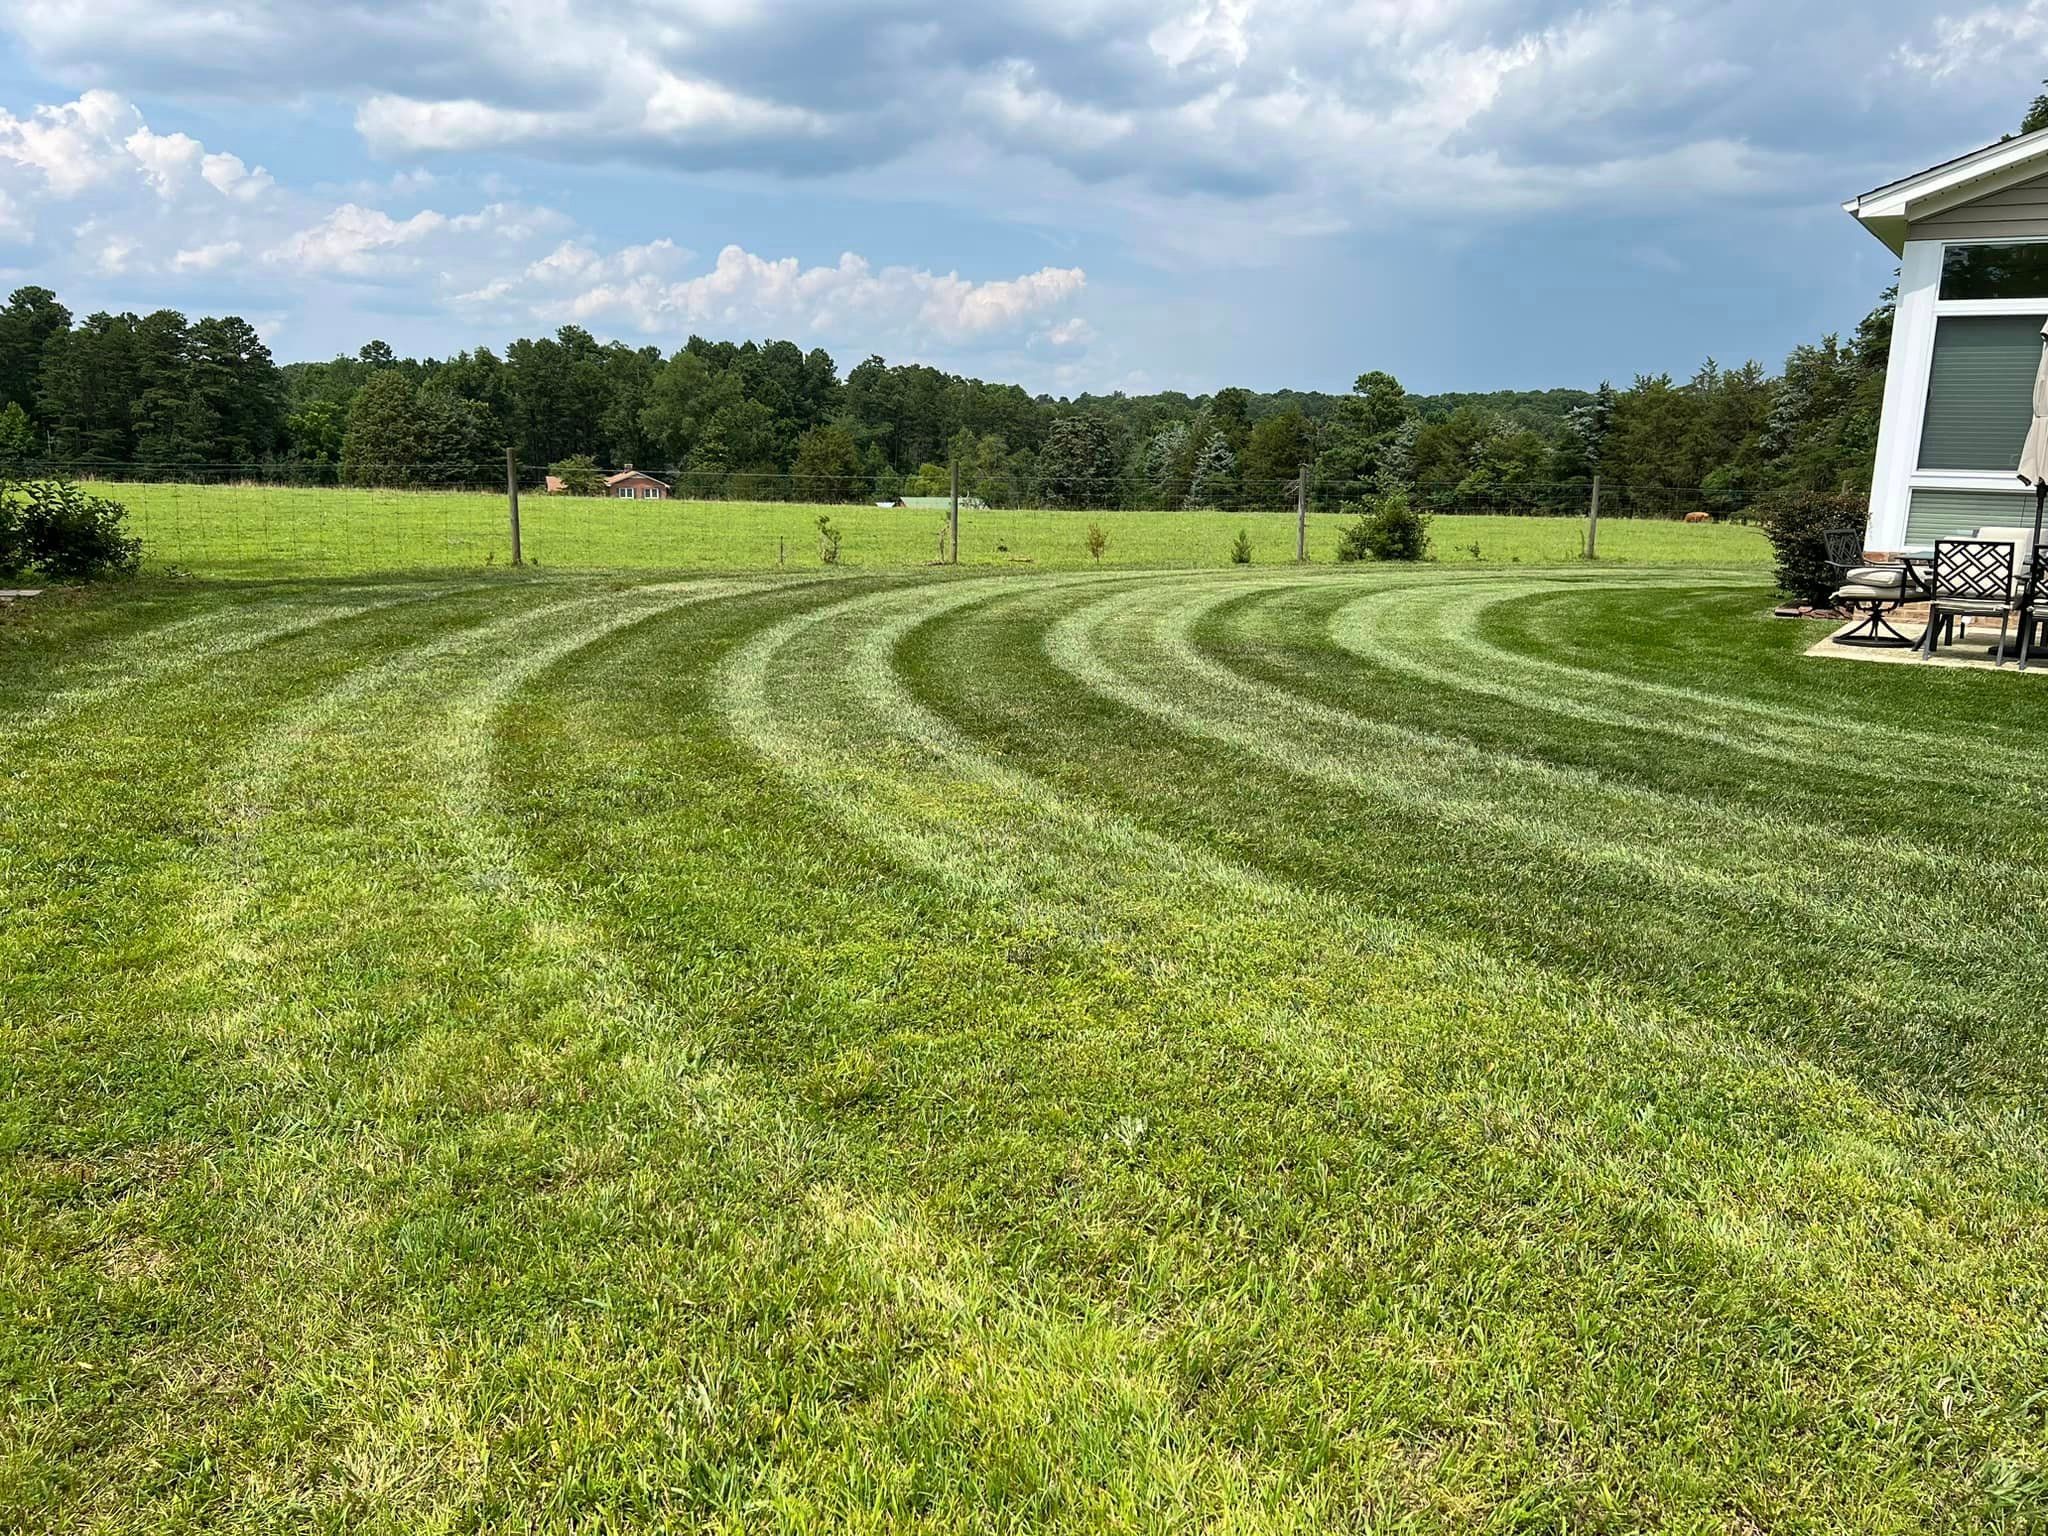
1458, 1049
264, 531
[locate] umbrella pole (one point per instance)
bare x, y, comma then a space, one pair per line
2028, 616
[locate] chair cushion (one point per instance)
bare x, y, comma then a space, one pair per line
1988, 607
1858, 593
1892, 576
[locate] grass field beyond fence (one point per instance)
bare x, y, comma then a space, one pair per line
248, 531
1464, 1049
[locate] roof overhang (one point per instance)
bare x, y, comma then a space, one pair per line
1890, 211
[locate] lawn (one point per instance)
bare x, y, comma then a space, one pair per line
1459, 1049
247, 530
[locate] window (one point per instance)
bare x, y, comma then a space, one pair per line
1995, 271
1980, 391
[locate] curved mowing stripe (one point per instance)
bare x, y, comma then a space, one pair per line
503, 649
1490, 788
1418, 634
184, 645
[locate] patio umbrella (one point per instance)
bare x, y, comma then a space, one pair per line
2034, 456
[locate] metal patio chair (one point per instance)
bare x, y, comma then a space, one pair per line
1875, 591
1972, 579
2034, 604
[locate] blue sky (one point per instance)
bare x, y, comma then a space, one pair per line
1077, 194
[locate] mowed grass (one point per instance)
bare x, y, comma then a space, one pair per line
261, 531
1388, 1050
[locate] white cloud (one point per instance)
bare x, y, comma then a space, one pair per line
167, 160
1335, 112
354, 241
70, 147
230, 177
100, 140
744, 292
1976, 39
206, 258
114, 254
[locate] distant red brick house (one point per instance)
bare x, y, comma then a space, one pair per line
635, 484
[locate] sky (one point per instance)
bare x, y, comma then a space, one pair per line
1072, 194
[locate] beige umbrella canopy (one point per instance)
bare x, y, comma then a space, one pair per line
2034, 456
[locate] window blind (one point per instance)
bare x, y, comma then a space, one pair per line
1980, 392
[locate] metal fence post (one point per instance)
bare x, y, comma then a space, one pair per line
512, 501
1301, 517
1593, 522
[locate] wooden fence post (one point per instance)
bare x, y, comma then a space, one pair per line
1301, 517
1593, 522
512, 500
953, 522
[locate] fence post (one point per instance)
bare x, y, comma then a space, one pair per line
1301, 517
953, 522
512, 500
1593, 522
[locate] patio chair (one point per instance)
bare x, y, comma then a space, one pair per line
1972, 579
1872, 590
2034, 604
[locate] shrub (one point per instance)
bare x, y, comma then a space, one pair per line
579, 475
1391, 529
54, 528
828, 540
1097, 541
1795, 523
1241, 551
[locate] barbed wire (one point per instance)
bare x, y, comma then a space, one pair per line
1107, 492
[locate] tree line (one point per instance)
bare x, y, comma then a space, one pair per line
161, 395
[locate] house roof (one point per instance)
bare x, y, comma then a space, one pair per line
1890, 210
629, 474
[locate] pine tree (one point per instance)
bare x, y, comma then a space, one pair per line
17, 437
1214, 483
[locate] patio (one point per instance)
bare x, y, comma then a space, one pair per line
1975, 647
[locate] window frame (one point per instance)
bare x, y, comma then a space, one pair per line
1936, 477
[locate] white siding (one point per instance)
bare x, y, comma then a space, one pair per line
2016, 211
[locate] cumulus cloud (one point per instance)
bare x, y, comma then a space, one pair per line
206, 258
1342, 109
100, 139
355, 241
743, 293
135, 194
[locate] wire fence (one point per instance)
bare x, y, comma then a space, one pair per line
280, 519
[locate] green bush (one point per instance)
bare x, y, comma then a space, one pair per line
1795, 522
1241, 551
58, 531
1390, 529
579, 475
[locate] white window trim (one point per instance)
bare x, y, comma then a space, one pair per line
1920, 308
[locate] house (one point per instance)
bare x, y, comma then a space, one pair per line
1971, 235
637, 485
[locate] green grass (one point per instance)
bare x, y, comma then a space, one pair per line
260, 531
1462, 1049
